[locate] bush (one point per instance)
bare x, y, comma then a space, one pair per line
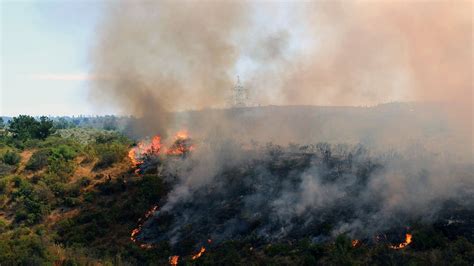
109, 153
64, 152
6, 169
60, 161
3, 185
23, 247
11, 158
61, 168
38, 160
32, 205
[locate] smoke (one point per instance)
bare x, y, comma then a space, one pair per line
165, 56
160, 57
279, 193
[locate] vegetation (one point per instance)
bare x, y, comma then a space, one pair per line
74, 201
38, 160
24, 127
10, 157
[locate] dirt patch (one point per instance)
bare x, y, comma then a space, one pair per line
25, 157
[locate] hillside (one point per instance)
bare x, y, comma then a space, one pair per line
75, 197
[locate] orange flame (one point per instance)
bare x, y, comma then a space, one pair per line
199, 254
404, 244
174, 260
181, 146
136, 231
355, 243
183, 134
153, 147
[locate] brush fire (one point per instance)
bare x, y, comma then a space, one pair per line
269, 192
180, 147
407, 242
240, 133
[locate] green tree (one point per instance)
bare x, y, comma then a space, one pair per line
26, 127
44, 128
23, 126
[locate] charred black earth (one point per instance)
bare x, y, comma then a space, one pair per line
278, 194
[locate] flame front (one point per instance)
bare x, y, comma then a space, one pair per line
199, 254
137, 154
136, 231
174, 260
404, 244
142, 148
181, 146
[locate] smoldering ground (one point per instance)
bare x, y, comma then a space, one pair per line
272, 193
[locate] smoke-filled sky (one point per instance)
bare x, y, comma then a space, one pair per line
144, 57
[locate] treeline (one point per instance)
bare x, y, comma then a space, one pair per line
107, 122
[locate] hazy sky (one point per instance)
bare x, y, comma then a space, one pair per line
322, 53
44, 56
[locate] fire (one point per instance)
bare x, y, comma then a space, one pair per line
180, 146
132, 156
142, 148
404, 244
174, 260
183, 134
199, 254
136, 231
355, 243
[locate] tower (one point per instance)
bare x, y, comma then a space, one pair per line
240, 95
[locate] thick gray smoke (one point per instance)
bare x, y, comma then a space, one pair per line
160, 57
276, 193
164, 56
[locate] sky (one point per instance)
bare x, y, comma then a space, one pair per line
44, 56
359, 53
45, 66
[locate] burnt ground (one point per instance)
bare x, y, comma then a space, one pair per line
260, 201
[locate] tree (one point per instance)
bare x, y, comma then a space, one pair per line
62, 123
110, 122
44, 128
1, 122
23, 126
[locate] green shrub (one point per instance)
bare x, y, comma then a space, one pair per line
6, 169
32, 203
109, 153
38, 160
31, 143
23, 247
3, 185
63, 152
60, 161
11, 158
61, 168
